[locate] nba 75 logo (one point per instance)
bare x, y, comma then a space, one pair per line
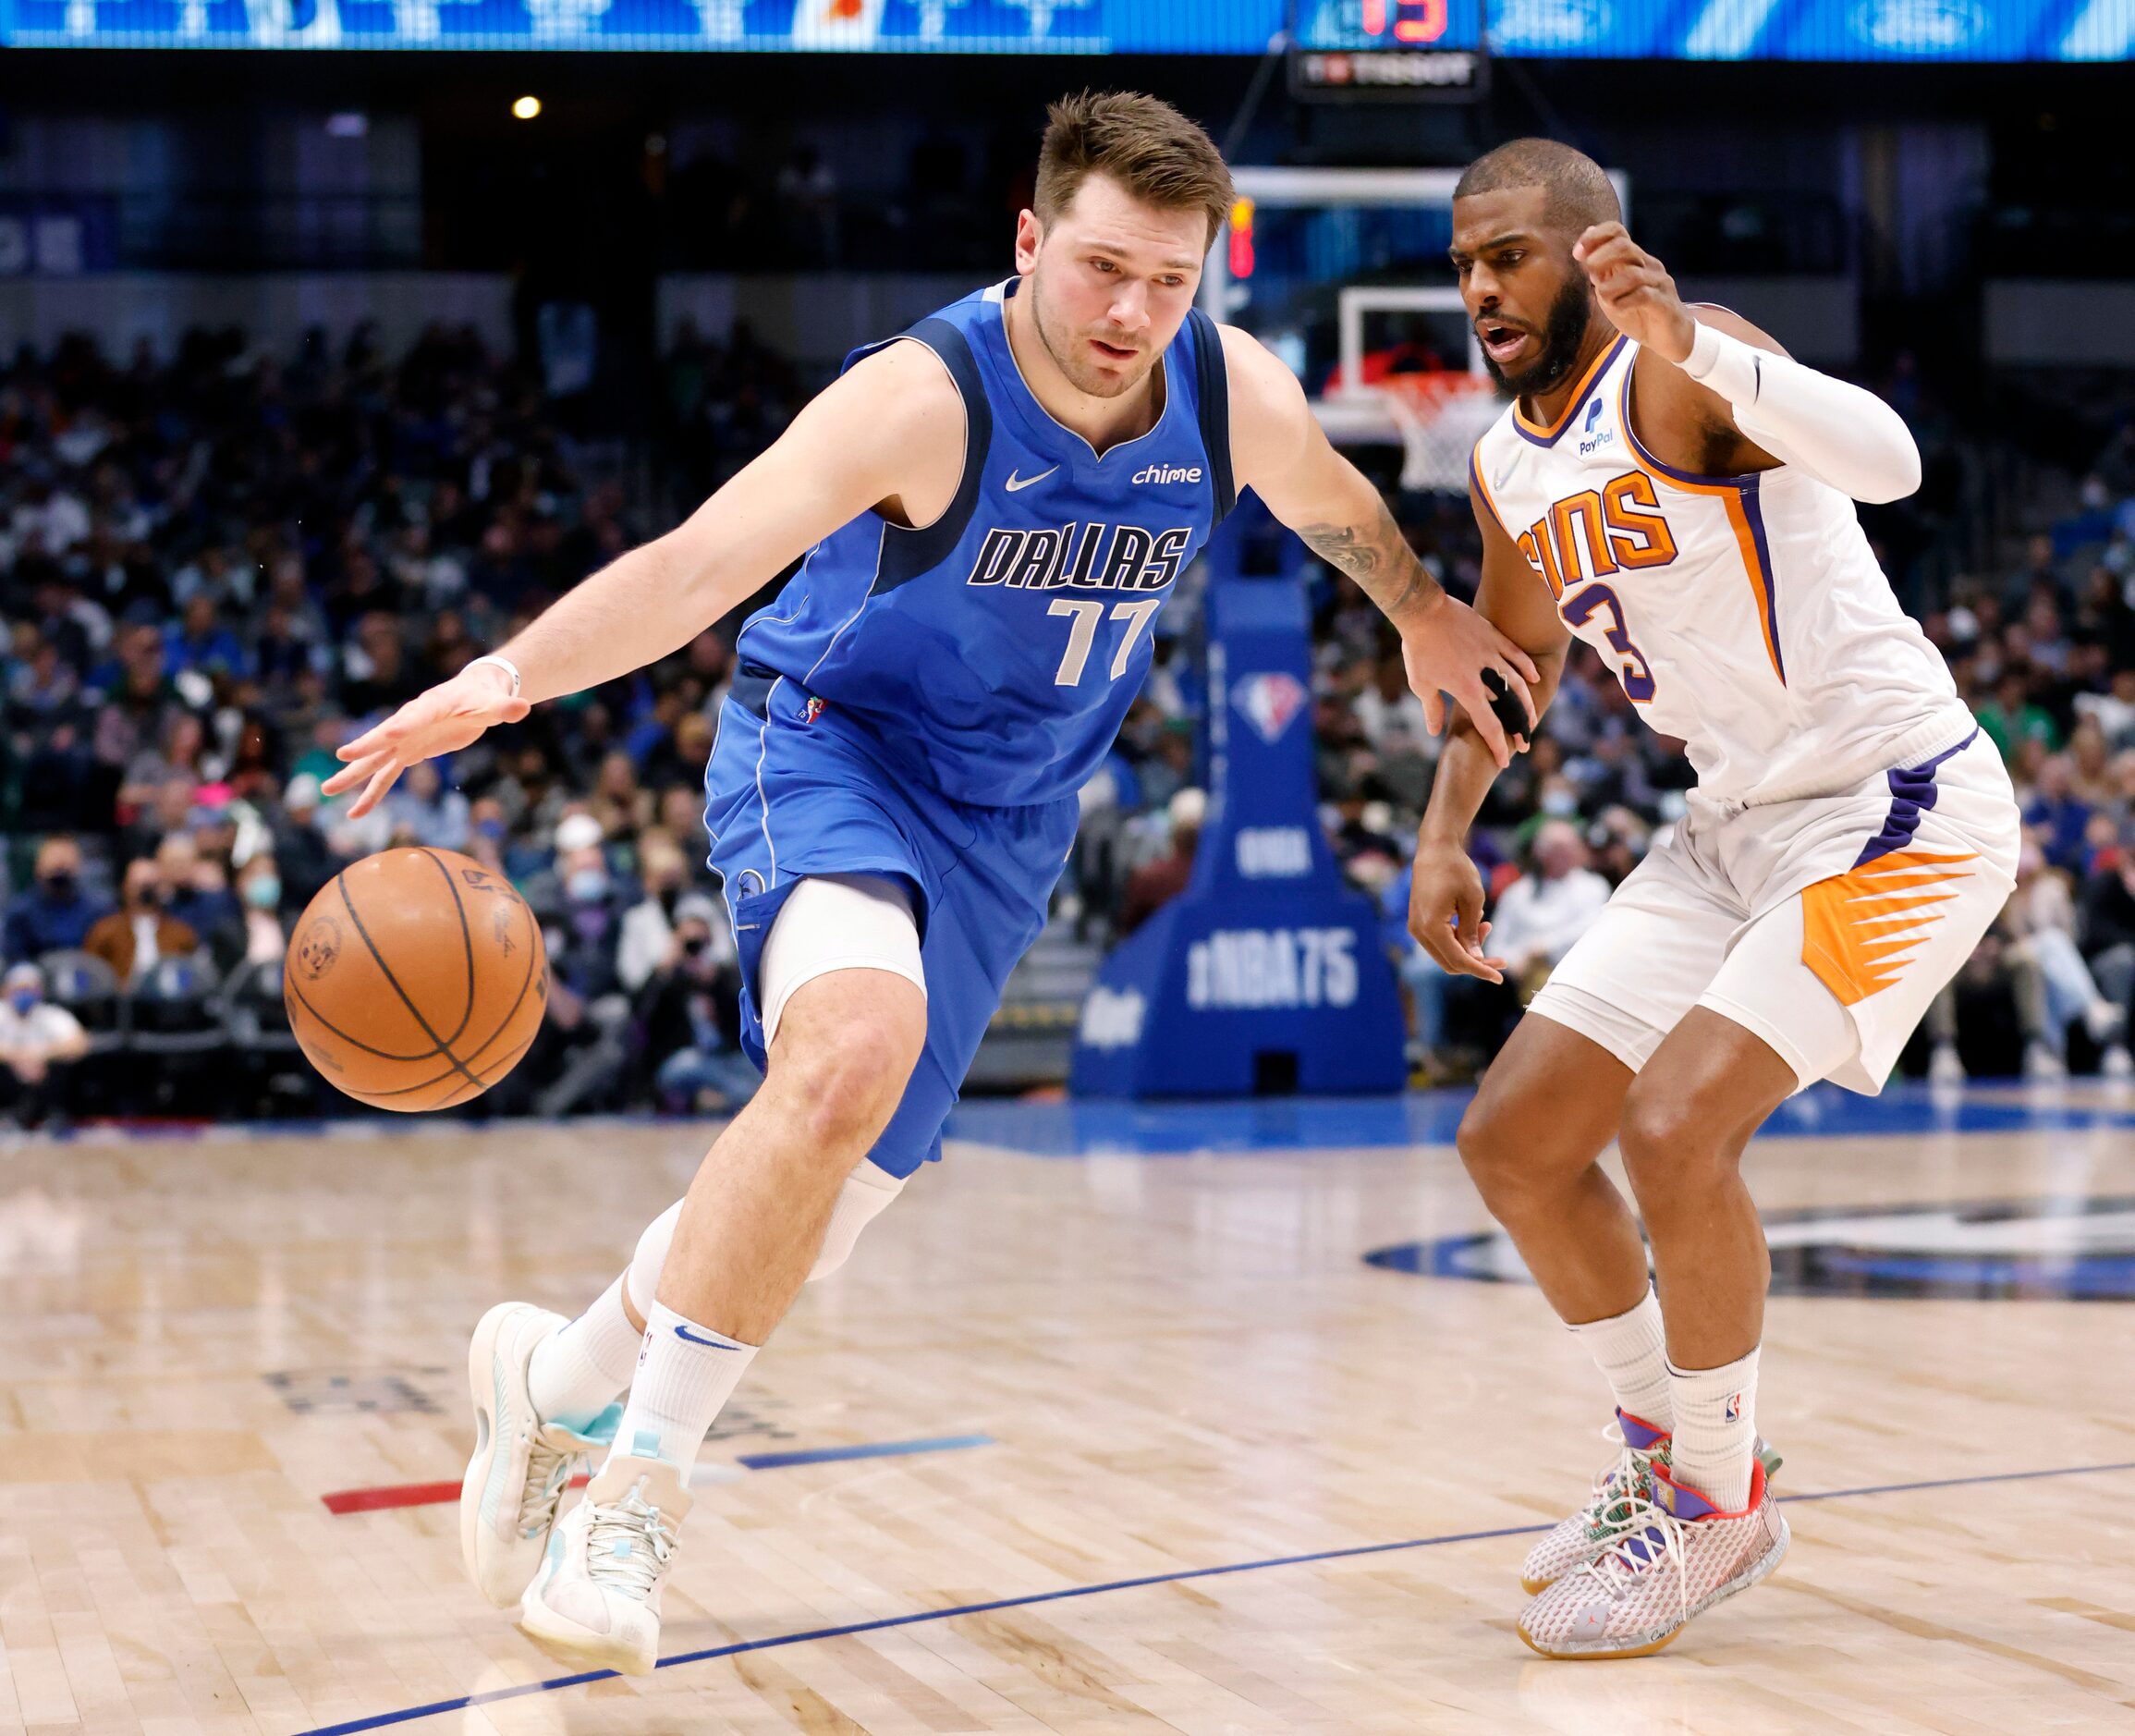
1270, 701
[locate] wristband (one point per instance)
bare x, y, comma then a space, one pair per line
506, 664
1730, 367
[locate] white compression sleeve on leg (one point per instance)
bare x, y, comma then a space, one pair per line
837, 923
651, 1254
1844, 436
867, 1191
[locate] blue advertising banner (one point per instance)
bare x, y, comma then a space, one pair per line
1902, 31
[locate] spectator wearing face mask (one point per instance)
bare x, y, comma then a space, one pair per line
139, 934
689, 1011
648, 930
196, 891
39, 1044
588, 915
55, 915
301, 852
260, 891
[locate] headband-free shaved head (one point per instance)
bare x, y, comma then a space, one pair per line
1578, 194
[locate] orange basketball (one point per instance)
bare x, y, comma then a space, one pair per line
416, 979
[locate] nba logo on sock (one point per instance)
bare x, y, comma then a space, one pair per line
1734, 1407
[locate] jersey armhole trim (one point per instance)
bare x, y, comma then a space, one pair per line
906, 552
1212, 400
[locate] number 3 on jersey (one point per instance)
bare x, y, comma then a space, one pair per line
1578, 609
1082, 633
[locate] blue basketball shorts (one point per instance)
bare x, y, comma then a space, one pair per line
791, 790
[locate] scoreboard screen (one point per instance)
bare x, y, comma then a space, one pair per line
1358, 46
1388, 48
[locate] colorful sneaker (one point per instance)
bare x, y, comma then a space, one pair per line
596, 1600
521, 1465
1617, 1494
1683, 1555
1616, 1491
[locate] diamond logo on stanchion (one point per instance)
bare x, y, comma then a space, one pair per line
1271, 702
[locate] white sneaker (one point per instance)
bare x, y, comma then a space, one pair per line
2041, 1064
1644, 1589
1944, 1068
596, 1600
507, 1500
2104, 1018
1621, 1496
2116, 1063
1619, 1493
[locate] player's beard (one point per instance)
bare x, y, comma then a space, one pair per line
1570, 316
1062, 343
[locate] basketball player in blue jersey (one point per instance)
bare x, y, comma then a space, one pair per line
993, 509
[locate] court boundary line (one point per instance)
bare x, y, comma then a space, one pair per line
517, 1691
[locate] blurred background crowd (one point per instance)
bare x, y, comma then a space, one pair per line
218, 566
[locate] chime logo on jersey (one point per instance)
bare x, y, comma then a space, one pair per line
1269, 701
1086, 557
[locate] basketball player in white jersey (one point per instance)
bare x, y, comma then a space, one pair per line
1671, 488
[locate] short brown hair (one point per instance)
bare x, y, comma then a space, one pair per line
1144, 144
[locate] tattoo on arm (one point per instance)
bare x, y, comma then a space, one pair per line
1378, 557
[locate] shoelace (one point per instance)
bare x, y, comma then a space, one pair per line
548, 1473
1648, 1537
632, 1570
1617, 1489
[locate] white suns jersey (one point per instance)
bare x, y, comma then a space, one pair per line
1744, 613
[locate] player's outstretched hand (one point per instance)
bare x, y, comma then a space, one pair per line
1446, 912
441, 720
1636, 292
1448, 651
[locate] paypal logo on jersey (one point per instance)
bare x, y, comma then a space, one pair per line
1093, 557
1590, 442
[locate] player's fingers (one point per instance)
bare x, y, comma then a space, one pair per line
350, 776
1511, 678
1469, 935
1595, 235
1518, 659
1434, 711
1475, 699
374, 792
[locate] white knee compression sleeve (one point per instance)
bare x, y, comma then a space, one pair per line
862, 1198
837, 923
867, 1191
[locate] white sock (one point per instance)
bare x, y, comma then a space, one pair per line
685, 1374
1632, 1353
575, 1373
1716, 1428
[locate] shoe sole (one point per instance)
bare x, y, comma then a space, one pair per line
1759, 1569
481, 1386
569, 1644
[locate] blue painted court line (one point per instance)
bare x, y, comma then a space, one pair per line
1083, 1127
439, 1708
877, 1450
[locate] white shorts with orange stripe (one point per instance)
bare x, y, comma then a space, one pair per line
1824, 926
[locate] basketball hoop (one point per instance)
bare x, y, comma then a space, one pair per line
1439, 417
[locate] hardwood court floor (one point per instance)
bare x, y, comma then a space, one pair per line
1183, 1364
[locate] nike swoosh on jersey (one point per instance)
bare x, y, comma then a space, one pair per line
1014, 484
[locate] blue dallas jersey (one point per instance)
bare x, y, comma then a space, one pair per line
993, 654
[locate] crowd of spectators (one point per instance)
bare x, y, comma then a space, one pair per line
217, 567
214, 568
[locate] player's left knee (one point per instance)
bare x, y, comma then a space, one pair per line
1667, 1136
